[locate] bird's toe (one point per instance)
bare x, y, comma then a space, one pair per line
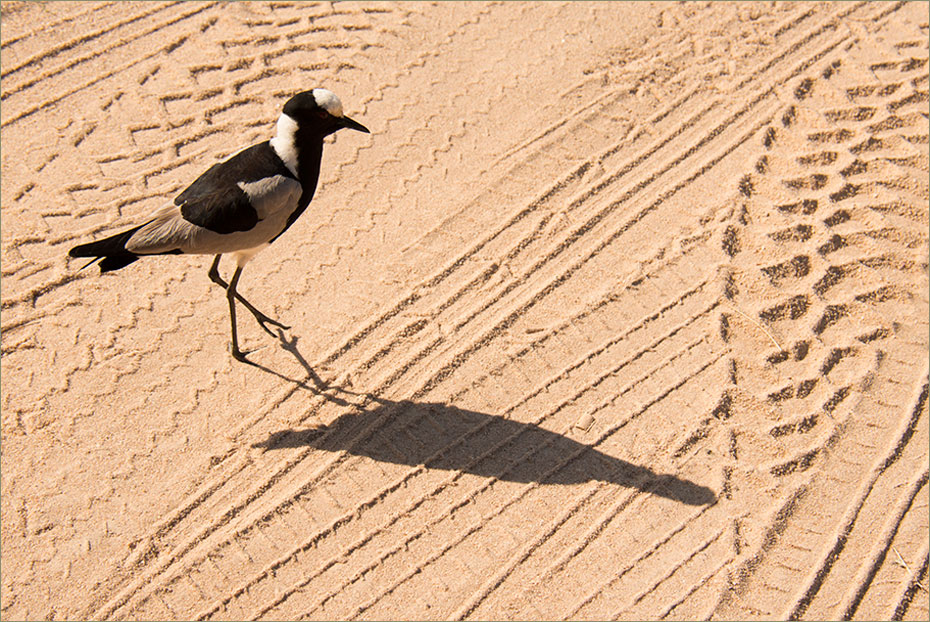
263, 320
239, 355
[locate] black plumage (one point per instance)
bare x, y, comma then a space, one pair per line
216, 202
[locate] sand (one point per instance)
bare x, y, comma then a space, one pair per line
621, 311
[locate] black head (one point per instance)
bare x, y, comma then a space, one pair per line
320, 110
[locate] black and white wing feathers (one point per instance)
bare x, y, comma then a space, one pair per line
217, 200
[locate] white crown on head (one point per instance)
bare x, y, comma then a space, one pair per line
328, 101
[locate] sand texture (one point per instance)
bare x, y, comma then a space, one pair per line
620, 312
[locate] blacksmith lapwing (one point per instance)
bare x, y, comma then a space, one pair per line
240, 205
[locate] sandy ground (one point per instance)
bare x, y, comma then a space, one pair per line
619, 312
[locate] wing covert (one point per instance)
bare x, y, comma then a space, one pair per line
236, 194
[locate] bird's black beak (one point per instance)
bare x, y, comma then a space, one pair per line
354, 125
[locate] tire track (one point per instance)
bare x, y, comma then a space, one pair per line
805, 353
817, 577
394, 486
591, 223
58, 98
48, 287
602, 587
24, 37
519, 216
68, 45
506, 442
480, 330
868, 571
485, 590
578, 233
915, 584
690, 557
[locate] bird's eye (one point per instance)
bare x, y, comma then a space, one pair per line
322, 113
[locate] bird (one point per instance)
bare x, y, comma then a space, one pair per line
238, 206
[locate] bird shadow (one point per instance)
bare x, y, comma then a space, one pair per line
446, 437
319, 386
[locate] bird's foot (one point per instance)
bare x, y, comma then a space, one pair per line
264, 319
240, 355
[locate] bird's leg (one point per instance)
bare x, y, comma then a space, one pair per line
231, 297
214, 275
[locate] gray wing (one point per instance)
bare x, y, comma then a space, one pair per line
274, 199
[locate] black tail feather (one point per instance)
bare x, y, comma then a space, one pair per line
111, 250
115, 262
113, 245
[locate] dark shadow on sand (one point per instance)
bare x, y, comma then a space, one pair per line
445, 437
441, 436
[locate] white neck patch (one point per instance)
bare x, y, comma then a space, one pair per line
284, 142
328, 101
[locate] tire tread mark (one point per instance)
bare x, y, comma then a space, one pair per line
700, 583
502, 443
870, 567
485, 590
484, 486
671, 572
817, 577
59, 23
461, 260
109, 74
38, 58
333, 463
446, 370
449, 368
617, 507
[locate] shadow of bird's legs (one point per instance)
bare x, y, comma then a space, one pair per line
290, 346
